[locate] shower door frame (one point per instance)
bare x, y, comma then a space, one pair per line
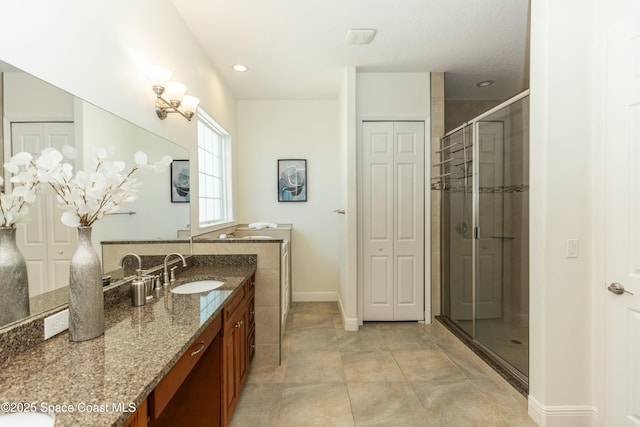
474, 124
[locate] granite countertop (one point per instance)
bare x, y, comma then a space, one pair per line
138, 348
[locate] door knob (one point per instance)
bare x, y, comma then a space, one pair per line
617, 289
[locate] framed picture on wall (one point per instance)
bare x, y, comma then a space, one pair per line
292, 180
180, 181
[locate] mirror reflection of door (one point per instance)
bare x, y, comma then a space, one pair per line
45, 242
490, 282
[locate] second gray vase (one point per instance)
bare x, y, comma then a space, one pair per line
86, 298
14, 284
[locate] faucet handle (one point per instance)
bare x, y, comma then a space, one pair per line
173, 273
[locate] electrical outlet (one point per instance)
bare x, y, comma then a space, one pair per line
56, 323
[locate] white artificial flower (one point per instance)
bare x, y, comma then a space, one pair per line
140, 158
87, 197
25, 182
70, 219
69, 152
21, 159
101, 153
118, 166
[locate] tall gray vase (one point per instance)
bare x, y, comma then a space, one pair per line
14, 285
86, 299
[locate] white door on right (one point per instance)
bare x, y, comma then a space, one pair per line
622, 214
392, 185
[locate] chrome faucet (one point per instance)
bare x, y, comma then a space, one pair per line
166, 270
132, 254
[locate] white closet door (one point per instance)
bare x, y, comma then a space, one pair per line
45, 242
393, 220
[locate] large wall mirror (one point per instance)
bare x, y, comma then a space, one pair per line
36, 114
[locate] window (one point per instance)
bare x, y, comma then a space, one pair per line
214, 172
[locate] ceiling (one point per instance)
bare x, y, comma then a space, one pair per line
295, 49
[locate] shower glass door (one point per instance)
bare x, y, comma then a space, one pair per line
483, 176
502, 244
457, 227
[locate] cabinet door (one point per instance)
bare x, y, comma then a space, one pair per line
138, 418
242, 348
234, 360
237, 347
230, 383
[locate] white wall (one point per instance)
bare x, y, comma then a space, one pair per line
561, 166
393, 95
348, 247
27, 98
101, 53
272, 130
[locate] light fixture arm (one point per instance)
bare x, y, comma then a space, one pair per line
164, 107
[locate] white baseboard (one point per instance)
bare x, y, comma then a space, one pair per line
314, 296
350, 324
562, 416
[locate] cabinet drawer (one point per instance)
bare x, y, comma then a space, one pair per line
168, 386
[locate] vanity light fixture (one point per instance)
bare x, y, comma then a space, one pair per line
170, 96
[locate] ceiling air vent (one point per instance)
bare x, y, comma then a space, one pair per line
360, 36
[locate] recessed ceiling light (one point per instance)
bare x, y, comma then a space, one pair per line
360, 36
240, 68
484, 83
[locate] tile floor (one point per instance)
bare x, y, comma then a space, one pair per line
386, 374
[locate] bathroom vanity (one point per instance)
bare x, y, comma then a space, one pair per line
176, 357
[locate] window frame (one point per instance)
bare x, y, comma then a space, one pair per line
224, 165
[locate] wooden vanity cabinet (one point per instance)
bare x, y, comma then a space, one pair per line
190, 392
138, 418
203, 387
238, 326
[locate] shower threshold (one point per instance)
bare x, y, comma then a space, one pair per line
497, 364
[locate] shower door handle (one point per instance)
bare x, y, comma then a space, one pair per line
617, 289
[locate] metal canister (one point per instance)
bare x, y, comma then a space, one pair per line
138, 293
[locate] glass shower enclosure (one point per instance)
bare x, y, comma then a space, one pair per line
483, 175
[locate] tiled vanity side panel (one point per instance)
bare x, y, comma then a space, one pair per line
267, 299
112, 253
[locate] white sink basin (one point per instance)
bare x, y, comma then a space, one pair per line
257, 237
27, 419
197, 287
